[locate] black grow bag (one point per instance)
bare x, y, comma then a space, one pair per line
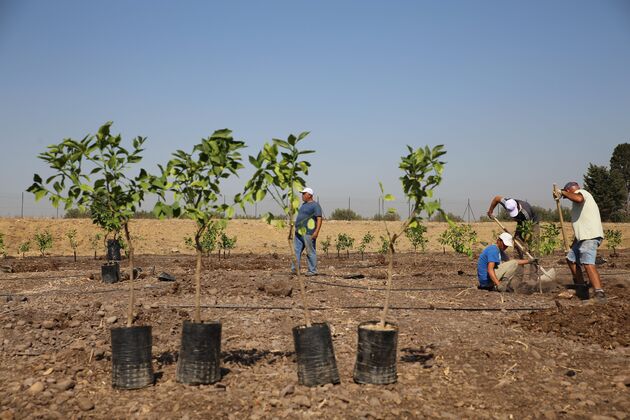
315, 355
200, 353
131, 357
113, 250
110, 273
376, 354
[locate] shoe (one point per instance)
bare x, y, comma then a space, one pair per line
310, 274
600, 296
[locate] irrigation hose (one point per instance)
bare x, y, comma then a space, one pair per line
402, 289
403, 308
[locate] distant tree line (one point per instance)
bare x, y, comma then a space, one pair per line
610, 186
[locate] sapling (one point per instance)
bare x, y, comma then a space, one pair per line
549, 239
92, 173
24, 248
226, 244
95, 242
3, 250
416, 236
44, 241
422, 173
195, 179
365, 241
279, 171
613, 239
384, 247
344, 242
326, 245
74, 244
209, 239
461, 237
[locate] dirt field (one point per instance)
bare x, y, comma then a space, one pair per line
462, 352
167, 236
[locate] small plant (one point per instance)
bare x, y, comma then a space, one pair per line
209, 239
549, 239
326, 245
613, 240
344, 242
74, 244
95, 242
526, 231
416, 236
384, 245
44, 241
367, 239
461, 237
226, 244
24, 248
3, 250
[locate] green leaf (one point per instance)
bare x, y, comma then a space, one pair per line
389, 197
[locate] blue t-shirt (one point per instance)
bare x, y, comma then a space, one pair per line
310, 210
492, 253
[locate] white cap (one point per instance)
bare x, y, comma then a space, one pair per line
506, 238
308, 190
512, 207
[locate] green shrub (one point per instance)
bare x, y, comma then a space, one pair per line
344, 214
460, 237
226, 244
613, 239
24, 248
549, 239
44, 241
326, 245
415, 234
342, 242
367, 239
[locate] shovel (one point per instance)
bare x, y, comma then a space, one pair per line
548, 275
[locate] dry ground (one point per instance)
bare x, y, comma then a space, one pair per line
463, 353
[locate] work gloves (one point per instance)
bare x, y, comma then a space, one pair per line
557, 195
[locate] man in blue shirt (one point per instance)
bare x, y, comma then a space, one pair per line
310, 210
494, 271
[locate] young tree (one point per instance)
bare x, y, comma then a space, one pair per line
365, 241
226, 244
342, 242
24, 248
210, 238
95, 243
461, 237
279, 173
422, 173
416, 236
44, 241
74, 244
195, 181
613, 239
112, 198
620, 162
609, 191
326, 245
3, 250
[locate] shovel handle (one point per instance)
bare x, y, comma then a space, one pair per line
564, 235
516, 240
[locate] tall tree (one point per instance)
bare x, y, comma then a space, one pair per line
609, 191
620, 161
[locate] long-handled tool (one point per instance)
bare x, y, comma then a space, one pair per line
564, 235
548, 275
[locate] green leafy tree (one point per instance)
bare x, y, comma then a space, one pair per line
44, 241
210, 237
416, 236
344, 242
226, 243
609, 191
3, 250
384, 247
24, 248
279, 170
195, 181
613, 239
326, 245
620, 162
461, 237
422, 173
95, 243
549, 239
93, 173
365, 241
344, 214
74, 244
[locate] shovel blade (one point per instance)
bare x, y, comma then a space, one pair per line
548, 275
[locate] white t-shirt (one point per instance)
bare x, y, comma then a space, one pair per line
587, 223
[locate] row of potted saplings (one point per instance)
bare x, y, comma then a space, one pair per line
200, 351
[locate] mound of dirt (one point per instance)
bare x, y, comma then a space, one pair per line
607, 325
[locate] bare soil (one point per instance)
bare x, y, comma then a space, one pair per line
463, 352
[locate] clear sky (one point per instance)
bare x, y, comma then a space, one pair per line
521, 93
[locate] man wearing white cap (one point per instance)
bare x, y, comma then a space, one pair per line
520, 211
310, 210
494, 271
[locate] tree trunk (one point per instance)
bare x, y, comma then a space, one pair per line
390, 267
131, 291
198, 288
75, 256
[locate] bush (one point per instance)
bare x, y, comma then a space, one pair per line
77, 214
226, 244
416, 236
367, 238
326, 245
344, 214
613, 239
387, 217
549, 239
439, 217
460, 237
24, 248
44, 241
3, 250
342, 242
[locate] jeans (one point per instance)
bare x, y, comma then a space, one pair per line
301, 242
584, 252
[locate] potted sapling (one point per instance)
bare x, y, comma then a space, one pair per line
194, 179
279, 168
92, 173
378, 340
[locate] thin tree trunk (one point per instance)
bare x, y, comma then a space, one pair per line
390, 267
198, 288
131, 291
75, 256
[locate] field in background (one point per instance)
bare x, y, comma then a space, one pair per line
255, 236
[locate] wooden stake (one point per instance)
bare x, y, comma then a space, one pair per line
564, 235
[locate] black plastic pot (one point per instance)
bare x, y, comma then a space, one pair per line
315, 355
200, 353
113, 250
110, 272
131, 357
376, 354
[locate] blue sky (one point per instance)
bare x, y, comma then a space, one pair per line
522, 94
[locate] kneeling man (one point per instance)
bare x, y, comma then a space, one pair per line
494, 271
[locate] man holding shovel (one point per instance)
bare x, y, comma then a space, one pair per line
588, 230
494, 271
520, 211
